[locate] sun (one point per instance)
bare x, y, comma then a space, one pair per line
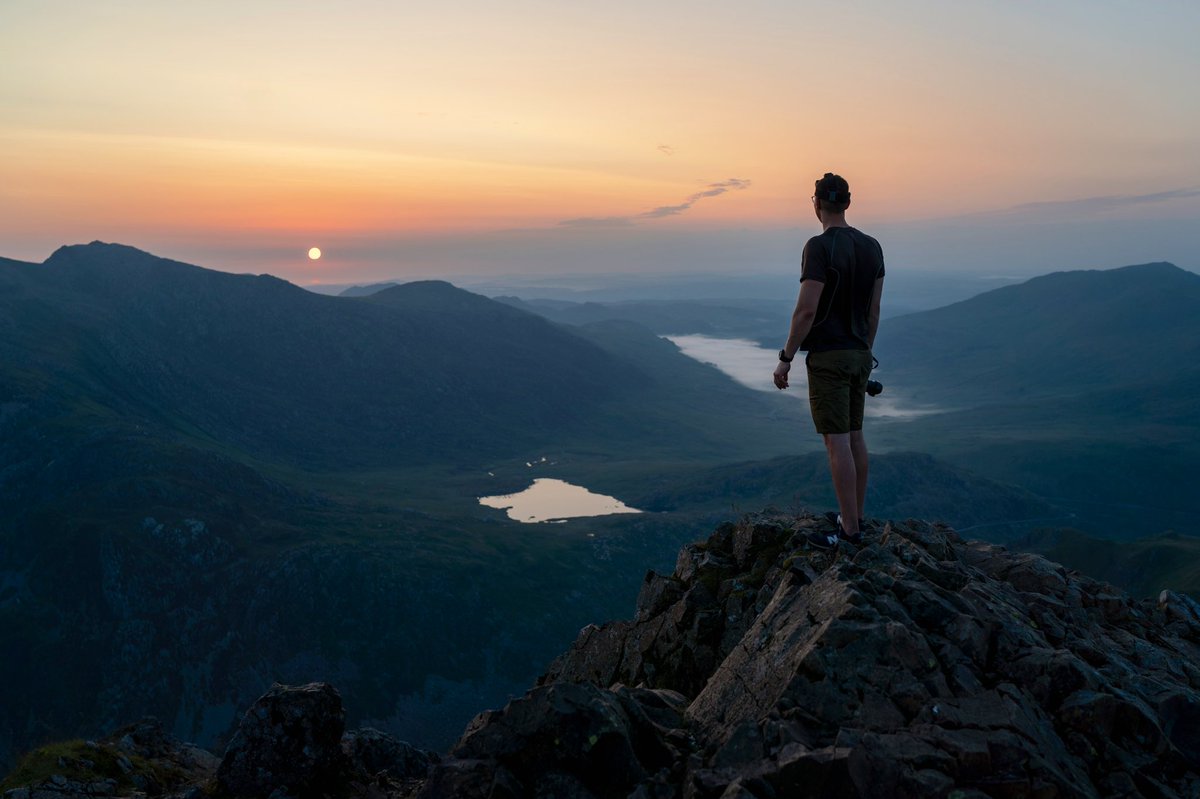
314, 253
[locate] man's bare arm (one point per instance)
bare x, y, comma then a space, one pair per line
873, 314
802, 320
803, 316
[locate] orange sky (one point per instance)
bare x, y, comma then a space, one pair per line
300, 124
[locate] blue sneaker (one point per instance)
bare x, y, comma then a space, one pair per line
835, 519
822, 540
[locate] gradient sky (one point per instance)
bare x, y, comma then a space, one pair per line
524, 137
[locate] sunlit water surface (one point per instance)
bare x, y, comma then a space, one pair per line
550, 500
752, 365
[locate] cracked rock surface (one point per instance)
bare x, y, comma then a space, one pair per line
915, 665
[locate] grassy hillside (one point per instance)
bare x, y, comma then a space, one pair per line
1143, 567
1078, 386
903, 485
729, 318
260, 365
1068, 333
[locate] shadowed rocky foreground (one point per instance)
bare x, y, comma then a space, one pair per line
917, 665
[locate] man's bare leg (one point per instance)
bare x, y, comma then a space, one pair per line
858, 447
845, 480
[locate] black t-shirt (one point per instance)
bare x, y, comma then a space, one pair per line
848, 262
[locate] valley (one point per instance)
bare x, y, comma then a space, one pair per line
211, 482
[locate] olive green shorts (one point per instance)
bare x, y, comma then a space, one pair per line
837, 388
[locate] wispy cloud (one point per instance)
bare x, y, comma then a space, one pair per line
666, 149
1105, 202
599, 221
711, 190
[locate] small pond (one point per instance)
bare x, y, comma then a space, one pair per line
550, 500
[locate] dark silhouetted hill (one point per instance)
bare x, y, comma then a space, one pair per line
1078, 386
1142, 567
366, 291
259, 364
729, 318
1065, 333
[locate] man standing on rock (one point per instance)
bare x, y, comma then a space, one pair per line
836, 317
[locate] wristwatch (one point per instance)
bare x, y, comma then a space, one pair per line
783, 356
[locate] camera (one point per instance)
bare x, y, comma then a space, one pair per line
874, 387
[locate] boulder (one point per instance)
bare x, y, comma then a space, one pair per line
564, 739
373, 752
289, 741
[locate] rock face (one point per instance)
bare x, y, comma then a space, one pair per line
918, 665
289, 744
569, 740
139, 759
373, 754
290, 739
915, 665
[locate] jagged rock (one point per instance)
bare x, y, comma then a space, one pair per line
915, 665
1182, 613
568, 740
289, 741
148, 740
60, 787
373, 752
141, 758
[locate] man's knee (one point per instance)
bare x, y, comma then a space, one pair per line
837, 442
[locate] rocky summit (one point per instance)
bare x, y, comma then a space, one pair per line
914, 665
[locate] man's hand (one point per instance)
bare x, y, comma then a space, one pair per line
781, 375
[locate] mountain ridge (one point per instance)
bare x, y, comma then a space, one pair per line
179, 334
1066, 331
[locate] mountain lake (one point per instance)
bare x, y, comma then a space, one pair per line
550, 500
751, 364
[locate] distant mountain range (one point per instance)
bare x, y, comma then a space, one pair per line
1077, 386
1076, 333
1144, 567
366, 291
725, 318
258, 364
212, 481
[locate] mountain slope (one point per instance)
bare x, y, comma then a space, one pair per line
731, 318
903, 485
919, 665
1067, 332
1078, 386
1141, 567
210, 480
255, 366
262, 365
